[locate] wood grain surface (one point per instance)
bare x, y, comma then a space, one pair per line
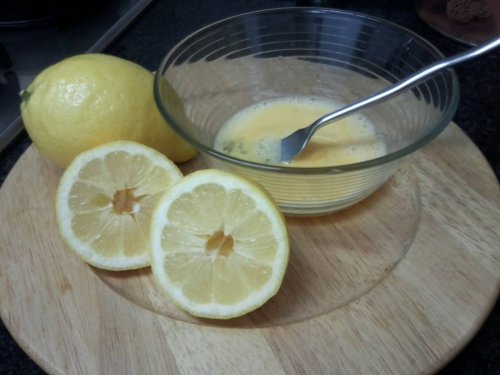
397, 284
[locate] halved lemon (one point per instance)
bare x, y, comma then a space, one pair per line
105, 200
219, 245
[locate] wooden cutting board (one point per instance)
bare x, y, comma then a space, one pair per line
396, 284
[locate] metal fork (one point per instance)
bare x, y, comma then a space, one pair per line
296, 142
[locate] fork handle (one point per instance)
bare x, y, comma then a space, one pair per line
408, 82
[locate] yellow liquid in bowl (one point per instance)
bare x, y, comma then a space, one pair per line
254, 133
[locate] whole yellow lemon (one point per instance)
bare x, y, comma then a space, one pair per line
91, 99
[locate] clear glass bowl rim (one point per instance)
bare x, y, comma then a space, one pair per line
399, 154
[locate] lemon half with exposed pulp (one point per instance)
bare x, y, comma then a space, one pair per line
105, 200
219, 245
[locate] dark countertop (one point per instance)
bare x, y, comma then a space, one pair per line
167, 21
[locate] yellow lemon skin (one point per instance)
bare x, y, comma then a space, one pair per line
90, 99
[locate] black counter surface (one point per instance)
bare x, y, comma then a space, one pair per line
166, 22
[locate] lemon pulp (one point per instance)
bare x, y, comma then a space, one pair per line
105, 200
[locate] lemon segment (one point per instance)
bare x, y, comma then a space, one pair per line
105, 200
219, 245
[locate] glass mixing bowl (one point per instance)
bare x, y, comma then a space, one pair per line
239, 61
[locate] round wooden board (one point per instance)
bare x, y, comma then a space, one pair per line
354, 308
